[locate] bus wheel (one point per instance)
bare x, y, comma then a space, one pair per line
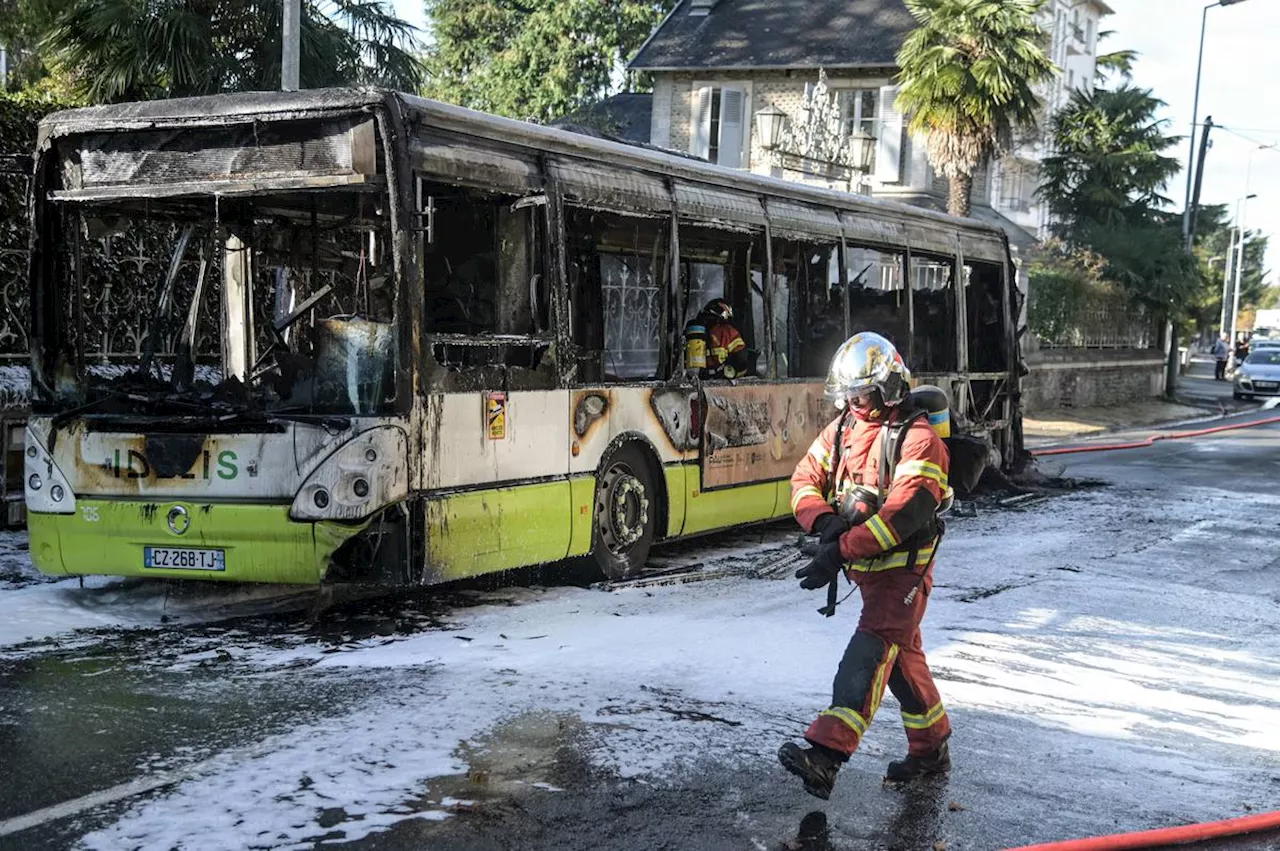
625, 514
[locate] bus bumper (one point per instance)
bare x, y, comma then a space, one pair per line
258, 543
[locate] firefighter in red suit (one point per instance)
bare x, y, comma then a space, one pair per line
874, 504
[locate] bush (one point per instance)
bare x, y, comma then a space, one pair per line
1065, 285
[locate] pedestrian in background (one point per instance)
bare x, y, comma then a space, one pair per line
1242, 349
1220, 353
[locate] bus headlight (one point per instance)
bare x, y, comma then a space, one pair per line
362, 476
48, 490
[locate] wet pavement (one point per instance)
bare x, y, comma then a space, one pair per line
1109, 659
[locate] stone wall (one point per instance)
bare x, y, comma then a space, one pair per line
1075, 378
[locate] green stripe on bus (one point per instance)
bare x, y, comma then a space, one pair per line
489, 530
260, 542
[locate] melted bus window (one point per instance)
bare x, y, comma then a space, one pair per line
984, 289
814, 315
933, 348
618, 274
280, 302
487, 302
877, 294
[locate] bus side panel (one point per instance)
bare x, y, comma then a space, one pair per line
582, 492
488, 438
482, 531
599, 415
663, 415
759, 432
676, 476
725, 507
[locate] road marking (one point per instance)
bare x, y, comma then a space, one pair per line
87, 802
132, 788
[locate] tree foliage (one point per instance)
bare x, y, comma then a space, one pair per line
23, 24
1103, 188
115, 50
1064, 283
1214, 241
1109, 161
968, 77
1118, 62
533, 61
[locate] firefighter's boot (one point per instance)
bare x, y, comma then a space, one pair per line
913, 767
816, 766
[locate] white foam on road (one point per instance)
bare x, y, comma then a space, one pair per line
1096, 637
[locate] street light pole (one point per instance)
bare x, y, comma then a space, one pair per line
1227, 267
1195, 119
1171, 337
290, 46
1241, 204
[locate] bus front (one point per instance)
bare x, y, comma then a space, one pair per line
219, 381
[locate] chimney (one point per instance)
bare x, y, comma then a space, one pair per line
699, 8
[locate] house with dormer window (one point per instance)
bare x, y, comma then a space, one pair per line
728, 74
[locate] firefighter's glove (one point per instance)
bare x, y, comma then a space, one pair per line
823, 570
830, 527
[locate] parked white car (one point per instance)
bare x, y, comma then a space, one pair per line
1259, 375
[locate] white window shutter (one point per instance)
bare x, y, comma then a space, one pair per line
889, 137
700, 139
732, 113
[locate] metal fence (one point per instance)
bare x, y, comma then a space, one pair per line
1111, 326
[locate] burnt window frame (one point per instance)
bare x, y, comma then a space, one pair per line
593, 366
493, 353
955, 357
903, 254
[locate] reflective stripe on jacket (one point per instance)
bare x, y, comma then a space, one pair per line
908, 504
724, 340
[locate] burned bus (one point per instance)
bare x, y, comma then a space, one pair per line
357, 336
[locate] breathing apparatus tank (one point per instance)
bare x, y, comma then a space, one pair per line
695, 346
934, 400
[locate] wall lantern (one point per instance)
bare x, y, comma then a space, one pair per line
770, 123
862, 146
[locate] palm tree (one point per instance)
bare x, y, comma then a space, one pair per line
113, 50
1116, 62
968, 76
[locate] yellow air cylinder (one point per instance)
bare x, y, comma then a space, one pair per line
695, 347
934, 400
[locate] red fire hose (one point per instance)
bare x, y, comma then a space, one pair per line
1173, 435
1164, 836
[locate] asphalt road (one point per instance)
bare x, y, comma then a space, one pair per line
1184, 531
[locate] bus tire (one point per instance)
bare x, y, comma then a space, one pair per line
625, 520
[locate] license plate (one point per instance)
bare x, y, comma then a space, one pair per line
1265, 385
182, 558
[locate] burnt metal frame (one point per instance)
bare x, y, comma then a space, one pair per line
399, 118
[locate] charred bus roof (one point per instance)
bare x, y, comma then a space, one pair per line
931, 229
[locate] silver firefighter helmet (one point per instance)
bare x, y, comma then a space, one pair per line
867, 361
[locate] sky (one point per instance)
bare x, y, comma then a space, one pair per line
1240, 88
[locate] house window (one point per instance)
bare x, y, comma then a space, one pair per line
1017, 188
859, 109
719, 124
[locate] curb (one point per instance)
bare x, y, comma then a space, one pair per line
1215, 411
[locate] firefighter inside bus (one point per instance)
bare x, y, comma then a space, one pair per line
713, 345
723, 330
